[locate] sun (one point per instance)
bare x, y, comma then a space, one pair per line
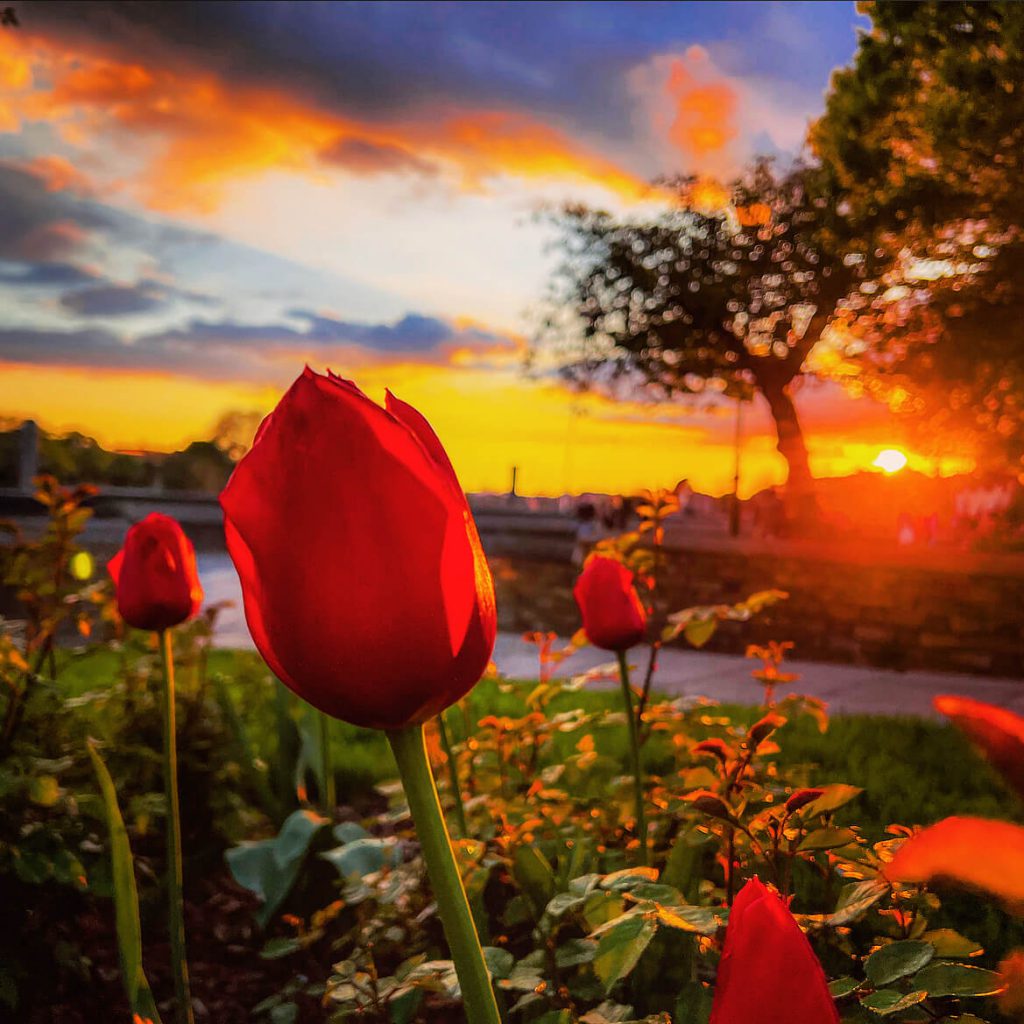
890, 460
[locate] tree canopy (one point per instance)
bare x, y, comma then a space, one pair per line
724, 290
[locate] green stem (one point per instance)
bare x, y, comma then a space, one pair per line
176, 920
453, 775
418, 782
634, 743
329, 796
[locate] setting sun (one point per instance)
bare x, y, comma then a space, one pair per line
890, 460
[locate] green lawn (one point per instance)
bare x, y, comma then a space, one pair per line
912, 770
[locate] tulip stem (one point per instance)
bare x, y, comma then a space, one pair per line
634, 743
328, 797
411, 754
175, 915
459, 807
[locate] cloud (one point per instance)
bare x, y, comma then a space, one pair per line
251, 352
38, 225
114, 300
46, 275
704, 121
197, 130
361, 156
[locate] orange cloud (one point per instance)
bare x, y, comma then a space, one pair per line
197, 133
705, 111
59, 174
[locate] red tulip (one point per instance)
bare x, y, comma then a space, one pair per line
768, 973
366, 589
997, 732
155, 575
613, 617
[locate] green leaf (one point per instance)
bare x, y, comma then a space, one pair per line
693, 1004
535, 877
284, 1013
621, 947
688, 919
269, 867
700, 631
949, 943
946, 979
296, 832
856, 899
281, 946
888, 1000
897, 960
834, 797
828, 839
363, 857
499, 961
843, 987
575, 952
126, 897
349, 832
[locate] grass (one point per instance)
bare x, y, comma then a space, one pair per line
912, 770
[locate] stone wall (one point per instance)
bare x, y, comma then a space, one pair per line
951, 612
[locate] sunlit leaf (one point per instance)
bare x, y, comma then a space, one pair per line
621, 947
827, 839
949, 943
888, 1000
948, 979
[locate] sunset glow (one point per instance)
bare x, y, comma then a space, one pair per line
890, 460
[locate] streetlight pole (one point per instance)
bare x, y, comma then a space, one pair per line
734, 511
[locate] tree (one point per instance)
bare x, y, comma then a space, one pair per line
921, 144
726, 290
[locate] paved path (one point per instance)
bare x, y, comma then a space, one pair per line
725, 677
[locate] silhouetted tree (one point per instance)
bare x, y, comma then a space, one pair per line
726, 290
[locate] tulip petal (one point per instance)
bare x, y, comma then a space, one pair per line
613, 617
768, 973
999, 734
980, 854
364, 587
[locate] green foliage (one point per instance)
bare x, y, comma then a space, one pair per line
126, 899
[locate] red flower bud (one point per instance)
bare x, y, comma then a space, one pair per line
613, 617
768, 972
366, 589
155, 575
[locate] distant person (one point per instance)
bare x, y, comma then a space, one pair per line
617, 515
588, 532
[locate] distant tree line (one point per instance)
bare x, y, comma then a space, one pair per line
75, 457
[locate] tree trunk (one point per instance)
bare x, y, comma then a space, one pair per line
800, 491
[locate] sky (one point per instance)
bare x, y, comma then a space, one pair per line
199, 199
